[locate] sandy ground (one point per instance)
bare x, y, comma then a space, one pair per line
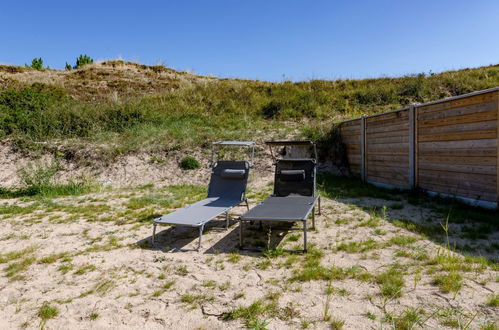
107, 276
90, 256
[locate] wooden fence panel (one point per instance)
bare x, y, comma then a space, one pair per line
351, 137
448, 147
457, 147
387, 149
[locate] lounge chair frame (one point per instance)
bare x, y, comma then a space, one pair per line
219, 192
306, 196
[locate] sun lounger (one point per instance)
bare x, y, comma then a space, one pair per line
226, 190
294, 196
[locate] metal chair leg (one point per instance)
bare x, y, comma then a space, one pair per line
305, 236
319, 201
313, 218
247, 204
200, 236
241, 233
154, 233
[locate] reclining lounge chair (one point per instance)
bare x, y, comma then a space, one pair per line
294, 196
226, 190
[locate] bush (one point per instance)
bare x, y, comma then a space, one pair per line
36, 63
83, 60
189, 163
68, 66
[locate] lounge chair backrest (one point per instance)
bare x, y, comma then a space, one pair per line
229, 180
295, 176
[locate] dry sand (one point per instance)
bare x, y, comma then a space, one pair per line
105, 275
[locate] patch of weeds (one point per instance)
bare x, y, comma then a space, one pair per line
391, 282
93, 316
47, 312
103, 287
359, 273
291, 260
85, 269
337, 323
315, 271
264, 264
408, 319
402, 240
181, 270
342, 221
356, 247
209, 284
224, 286
189, 163
14, 270
335, 186
447, 261
164, 287
449, 282
234, 257
418, 254
64, 268
478, 231
250, 313
293, 237
256, 324
493, 301
370, 316
239, 295
13, 255
54, 257
194, 298
273, 253
429, 230
490, 325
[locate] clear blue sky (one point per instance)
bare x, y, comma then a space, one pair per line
268, 40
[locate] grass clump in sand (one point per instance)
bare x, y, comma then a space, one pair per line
449, 282
47, 312
493, 300
391, 282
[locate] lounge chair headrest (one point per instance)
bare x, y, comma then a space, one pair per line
230, 173
292, 175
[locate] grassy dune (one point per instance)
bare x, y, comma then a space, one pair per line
164, 109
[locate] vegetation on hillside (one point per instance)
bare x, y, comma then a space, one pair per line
207, 109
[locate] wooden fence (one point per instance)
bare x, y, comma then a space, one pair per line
449, 147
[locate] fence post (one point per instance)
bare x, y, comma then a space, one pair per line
363, 148
497, 155
412, 147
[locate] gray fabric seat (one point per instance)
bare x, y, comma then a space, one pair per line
226, 190
274, 208
293, 200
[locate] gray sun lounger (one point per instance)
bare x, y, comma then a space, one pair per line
295, 194
226, 190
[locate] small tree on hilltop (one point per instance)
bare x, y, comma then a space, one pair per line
83, 60
36, 63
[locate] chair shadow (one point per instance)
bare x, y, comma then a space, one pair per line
264, 235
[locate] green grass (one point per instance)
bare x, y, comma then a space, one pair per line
47, 312
408, 319
356, 247
493, 300
221, 109
449, 282
391, 282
